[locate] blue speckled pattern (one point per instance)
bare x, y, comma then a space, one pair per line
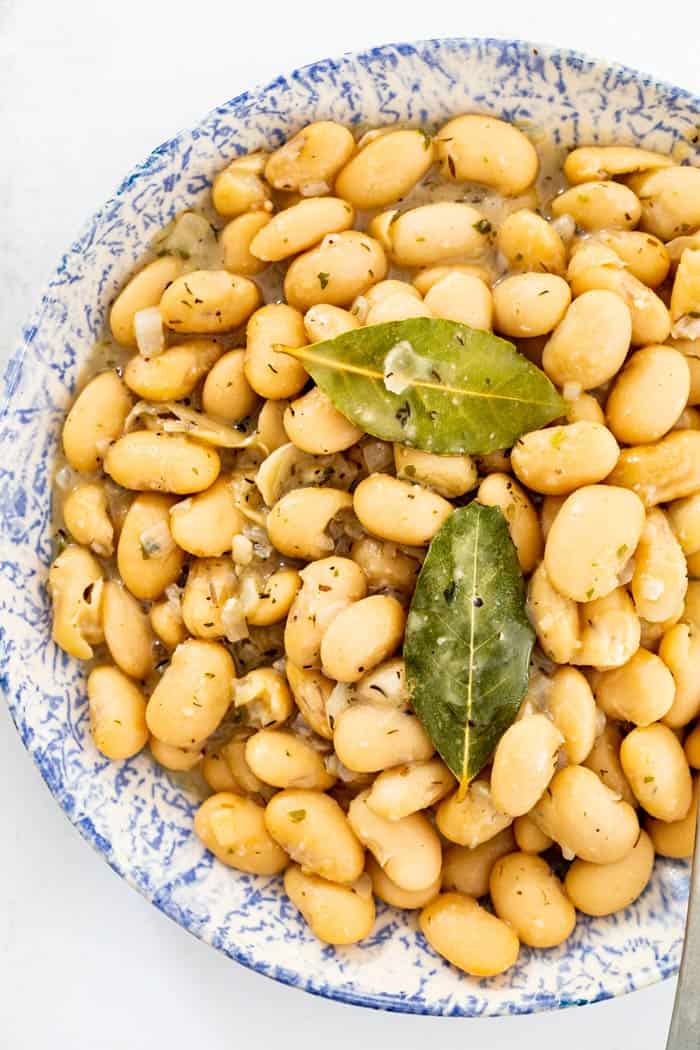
132, 812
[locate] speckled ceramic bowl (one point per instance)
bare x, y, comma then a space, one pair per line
133, 813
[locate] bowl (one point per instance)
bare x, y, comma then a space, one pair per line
137, 815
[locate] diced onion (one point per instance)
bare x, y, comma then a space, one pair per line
156, 541
148, 328
233, 620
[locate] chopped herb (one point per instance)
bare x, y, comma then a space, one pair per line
297, 815
545, 291
449, 592
323, 279
589, 593
557, 439
622, 549
209, 674
648, 780
483, 226
426, 138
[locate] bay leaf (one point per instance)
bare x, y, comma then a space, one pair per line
435, 385
468, 640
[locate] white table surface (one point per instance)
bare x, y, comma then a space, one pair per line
86, 90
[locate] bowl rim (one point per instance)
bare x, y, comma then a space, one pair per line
10, 378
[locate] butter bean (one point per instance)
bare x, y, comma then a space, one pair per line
266, 697
226, 393
554, 617
95, 421
641, 691
328, 586
680, 651
601, 889
395, 510
588, 163
280, 590
468, 870
649, 395
177, 759
386, 169
167, 623
298, 522
474, 148
284, 760
524, 764
311, 159
269, 372
193, 694
657, 771
599, 206
205, 524
148, 559
528, 836
436, 233
315, 425
684, 517
87, 519
610, 631
651, 321
236, 239
117, 709
369, 737
574, 713
145, 289
427, 278
211, 582
343, 266
361, 636
557, 460
326, 322
336, 914
384, 565
529, 897
387, 890
408, 849
468, 936
660, 473
461, 297
407, 789
590, 344
239, 187
127, 631
646, 257
312, 828
581, 814
529, 242
311, 690
473, 819
660, 578
670, 200
449, 476
300, 227
75, 585
676, 838
604, 761
530, 304
592, 537
149, 460
173, 374
233, 829
208, 301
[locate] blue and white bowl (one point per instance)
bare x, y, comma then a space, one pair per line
136, 814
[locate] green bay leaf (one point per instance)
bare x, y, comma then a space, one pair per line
468, 640
435, 385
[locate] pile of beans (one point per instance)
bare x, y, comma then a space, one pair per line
240, 557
